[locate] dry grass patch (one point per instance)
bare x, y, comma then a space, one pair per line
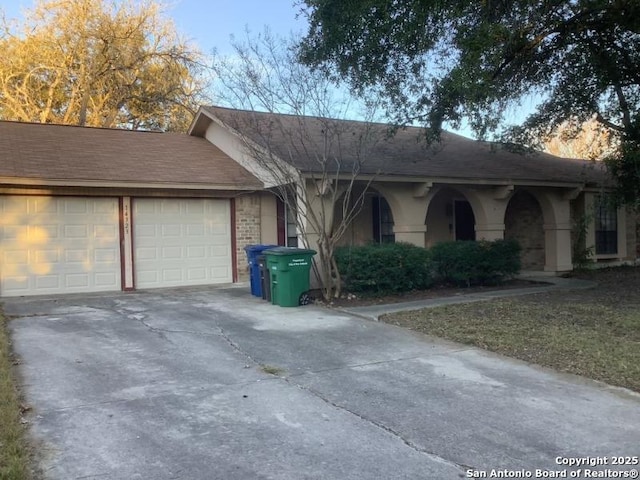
568, 334
14, 449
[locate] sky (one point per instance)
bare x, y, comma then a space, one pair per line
210, 23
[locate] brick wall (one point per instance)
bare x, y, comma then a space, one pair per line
247, 230
523, 222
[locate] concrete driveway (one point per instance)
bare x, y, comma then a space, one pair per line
172, 385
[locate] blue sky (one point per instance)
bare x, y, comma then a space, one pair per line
209, 23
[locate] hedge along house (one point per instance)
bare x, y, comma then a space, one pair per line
89, 209
460, 189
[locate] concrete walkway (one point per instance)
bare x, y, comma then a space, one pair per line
374, 312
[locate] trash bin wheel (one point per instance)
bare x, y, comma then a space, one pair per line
305, 299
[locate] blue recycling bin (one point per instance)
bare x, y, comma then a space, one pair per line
252, 252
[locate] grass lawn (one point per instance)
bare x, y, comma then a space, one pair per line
594, 332
14, 450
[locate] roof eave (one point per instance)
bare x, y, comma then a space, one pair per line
43, 182
452, 180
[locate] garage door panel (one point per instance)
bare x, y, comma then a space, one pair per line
145, 230
76, 231
197, 251
44, 205
104, 255
191, 244
75, 256
171, 230
172, 275
196, 230
146, 277
145, 253
169, 207
78, 280
74, 207
171, 253
48, 282
106, 233
197, 274
107, 280
58, 245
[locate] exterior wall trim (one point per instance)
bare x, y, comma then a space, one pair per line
234, 241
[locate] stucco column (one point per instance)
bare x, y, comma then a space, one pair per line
556, 210
557, 239
408, 204
489, 207
413, 234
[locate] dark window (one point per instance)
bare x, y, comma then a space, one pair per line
606, 220
465, 221
382, 221
290, 227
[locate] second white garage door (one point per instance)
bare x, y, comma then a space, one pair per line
181, 242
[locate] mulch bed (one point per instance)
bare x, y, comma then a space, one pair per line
360, 300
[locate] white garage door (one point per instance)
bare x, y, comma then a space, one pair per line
58, 245
181, 242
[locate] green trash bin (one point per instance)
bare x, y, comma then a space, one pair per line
289, 269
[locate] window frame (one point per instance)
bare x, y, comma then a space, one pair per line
606, 227
382, 230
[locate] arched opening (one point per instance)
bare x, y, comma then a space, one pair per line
449, 217
373, 222
524, 222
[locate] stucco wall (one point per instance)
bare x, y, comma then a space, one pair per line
524, 223
268, 219
440, 217
360, 232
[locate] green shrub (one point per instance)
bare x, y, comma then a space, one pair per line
475, 263
390, 267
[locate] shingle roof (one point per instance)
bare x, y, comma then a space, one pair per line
68, 153
298, 140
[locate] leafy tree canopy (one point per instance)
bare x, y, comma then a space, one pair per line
98, 63
454, 60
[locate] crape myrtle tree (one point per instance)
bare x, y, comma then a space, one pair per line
308, 153
456, 60
101, 63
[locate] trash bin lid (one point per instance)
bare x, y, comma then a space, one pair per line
282, 251
257, 248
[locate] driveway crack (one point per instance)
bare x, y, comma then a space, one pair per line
167, 330
423, 451
220, 333
235, 346
160, 332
